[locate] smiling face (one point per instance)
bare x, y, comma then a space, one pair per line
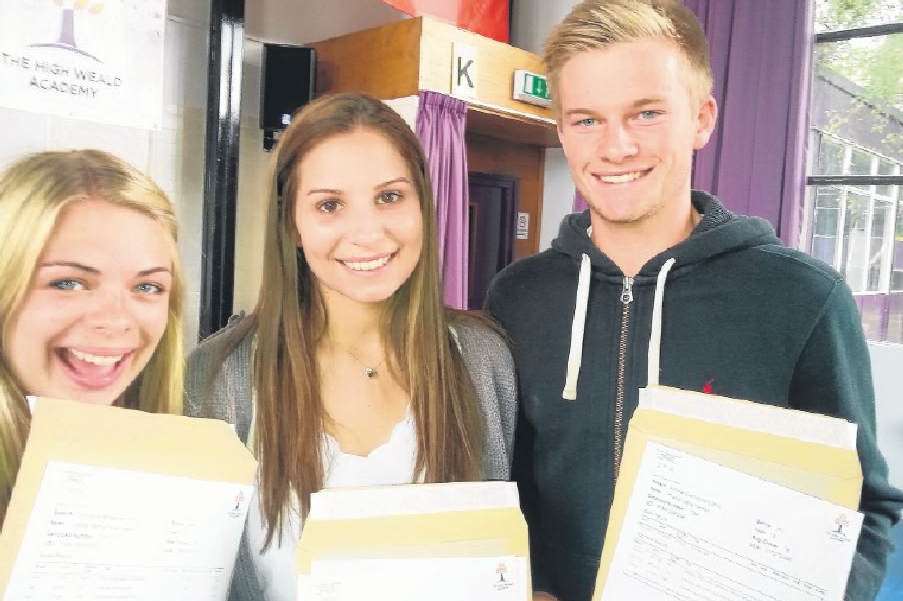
358, 216
97, 305
629, 127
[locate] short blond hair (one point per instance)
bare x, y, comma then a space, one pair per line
596, 24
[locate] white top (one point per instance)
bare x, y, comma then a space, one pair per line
390, 463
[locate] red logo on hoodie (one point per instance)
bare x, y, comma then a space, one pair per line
707, 387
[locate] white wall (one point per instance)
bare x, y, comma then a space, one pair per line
886, 362
253, 184
531, 21
173, 156
407, 107
557, 196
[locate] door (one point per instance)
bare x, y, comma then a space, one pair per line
492, 214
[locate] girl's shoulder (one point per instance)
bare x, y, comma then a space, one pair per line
482, 343
221, 361
475, 332
233, 339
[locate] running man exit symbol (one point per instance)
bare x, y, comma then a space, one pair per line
464, 71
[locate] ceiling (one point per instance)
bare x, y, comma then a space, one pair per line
305, 21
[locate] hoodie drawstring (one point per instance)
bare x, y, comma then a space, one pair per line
575, 356
655, 337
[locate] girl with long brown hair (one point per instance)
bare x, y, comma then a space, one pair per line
350, 371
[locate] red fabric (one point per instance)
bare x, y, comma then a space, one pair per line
486, 17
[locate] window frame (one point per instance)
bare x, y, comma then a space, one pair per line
863, 182
843, 35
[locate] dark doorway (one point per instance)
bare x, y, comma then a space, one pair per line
492, 216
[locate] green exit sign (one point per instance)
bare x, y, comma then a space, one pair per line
532, 88
536, 85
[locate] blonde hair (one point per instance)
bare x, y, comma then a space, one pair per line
596, 24
290, 319
33, 193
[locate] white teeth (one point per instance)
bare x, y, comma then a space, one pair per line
622, 178
367, 265
102, 360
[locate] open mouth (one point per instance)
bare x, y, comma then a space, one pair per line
621, 178
369, 264
93, 371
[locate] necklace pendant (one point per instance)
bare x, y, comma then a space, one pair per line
371, 373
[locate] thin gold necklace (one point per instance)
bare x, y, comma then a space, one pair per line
370, 372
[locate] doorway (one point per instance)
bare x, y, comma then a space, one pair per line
492, 213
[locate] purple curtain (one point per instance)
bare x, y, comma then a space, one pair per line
440, 127
761, 60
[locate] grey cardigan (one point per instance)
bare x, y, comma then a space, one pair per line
219, 385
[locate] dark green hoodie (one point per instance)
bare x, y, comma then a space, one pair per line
743, 317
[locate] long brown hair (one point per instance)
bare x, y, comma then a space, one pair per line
33, 193
290, 319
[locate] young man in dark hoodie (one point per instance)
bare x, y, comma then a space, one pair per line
743, 315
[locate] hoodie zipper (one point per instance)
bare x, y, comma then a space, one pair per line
626, 299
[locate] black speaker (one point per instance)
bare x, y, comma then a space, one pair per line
288, 79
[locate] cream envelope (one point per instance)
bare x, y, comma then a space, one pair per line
413, 579
107, 439
810, 453
461, 528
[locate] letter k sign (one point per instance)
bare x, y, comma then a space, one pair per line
464, 66
464, 71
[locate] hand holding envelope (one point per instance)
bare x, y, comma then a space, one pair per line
114, 503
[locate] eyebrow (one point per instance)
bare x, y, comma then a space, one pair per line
93, 270
72, 264
153, 270
397, 180
645, 101
635, 104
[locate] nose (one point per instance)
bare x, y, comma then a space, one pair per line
365, 224
110, 314
616, 144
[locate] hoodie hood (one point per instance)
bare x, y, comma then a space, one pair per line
719, 232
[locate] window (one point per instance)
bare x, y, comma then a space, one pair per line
854, 224
854, 204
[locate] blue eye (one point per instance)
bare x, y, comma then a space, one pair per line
67, 284
389, 197
149, 288
649, 115
328, 206
589, 121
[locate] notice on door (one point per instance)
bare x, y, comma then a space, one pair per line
523, 226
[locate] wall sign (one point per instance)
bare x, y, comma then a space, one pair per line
100, 60
464, 71
531, 88
523, 226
